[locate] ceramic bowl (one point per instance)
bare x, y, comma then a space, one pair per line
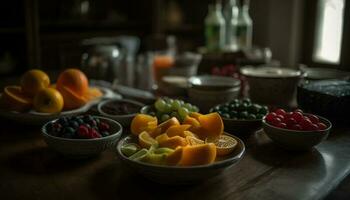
242, 127
82, 148
297, 140
124, 120
180, 175
272, 85
213, 83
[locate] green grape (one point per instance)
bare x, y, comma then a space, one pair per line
167, 108
160, 105
195, 108
181, 102
183, 112
176, 105
173, 114
164, 117
188, 106
170, 101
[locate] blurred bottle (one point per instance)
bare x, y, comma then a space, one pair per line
231, 20
214, 28
244, 27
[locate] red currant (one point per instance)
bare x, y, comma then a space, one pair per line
305, 124
275, 121
321, 126
280, 112
313, 118
313, 127
296, 127
298, 110
290, 122
297, 116
281, 117
282, 125
269, 117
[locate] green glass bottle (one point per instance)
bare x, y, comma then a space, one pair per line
215, 29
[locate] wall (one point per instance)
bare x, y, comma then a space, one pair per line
278, 25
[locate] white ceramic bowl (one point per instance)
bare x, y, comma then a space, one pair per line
272, 85
82, 148
124, 120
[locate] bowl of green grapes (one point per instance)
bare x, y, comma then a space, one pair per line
241, 116
166, 108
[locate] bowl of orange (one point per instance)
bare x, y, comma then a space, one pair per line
179, 153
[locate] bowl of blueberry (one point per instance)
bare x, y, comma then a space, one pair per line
296, 130
241, 116
81, 136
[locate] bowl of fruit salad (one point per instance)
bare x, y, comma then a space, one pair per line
296, 130
179, 153
241, 117
81, 136
121, 110
166, 108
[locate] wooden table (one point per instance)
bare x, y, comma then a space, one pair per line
29, 170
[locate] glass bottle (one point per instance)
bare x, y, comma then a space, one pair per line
215, 28
231, 20
244, 27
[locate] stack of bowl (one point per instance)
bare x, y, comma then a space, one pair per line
207, 91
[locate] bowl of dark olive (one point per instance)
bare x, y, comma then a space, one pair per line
241, 117
120, 110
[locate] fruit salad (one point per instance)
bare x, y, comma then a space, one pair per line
80, 127
296, 120
198, 140
241, 110
36, 92
166, 108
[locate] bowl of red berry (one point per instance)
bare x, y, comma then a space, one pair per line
296, 130
81, 136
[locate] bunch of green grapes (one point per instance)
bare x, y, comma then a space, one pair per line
165, 108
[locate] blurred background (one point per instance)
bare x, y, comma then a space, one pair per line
57, 34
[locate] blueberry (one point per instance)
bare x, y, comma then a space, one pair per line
226, 116
74, 124
69, 129
247, 101
264, 110
251, 116
260, 116
243, 115
235, 101
80, 121
97, 120
233, 114
87, 118
92, 122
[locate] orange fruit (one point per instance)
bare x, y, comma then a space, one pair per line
161, 138
33, 81
71, 99
175, 157
92, 93
177, 130
195, 115
193, 140
212, 126
195, 125
48, 100
73, 79
14, 99
225, 144
146, 141
142, 122
189, 133
163, 127
172, 142
200, 154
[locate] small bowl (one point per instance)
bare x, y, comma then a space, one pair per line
241, 127
206, 82
124, 120
297, 140
83, 148
180, 175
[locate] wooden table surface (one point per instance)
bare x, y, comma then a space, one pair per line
30, 170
